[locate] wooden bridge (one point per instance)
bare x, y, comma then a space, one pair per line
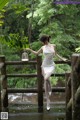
71, 105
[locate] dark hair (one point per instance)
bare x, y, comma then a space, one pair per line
45, 38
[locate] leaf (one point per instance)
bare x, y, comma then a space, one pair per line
3, 3
77, 49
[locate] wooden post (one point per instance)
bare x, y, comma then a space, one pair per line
0, 92
74, 85
4, 95
68, 95
40, 84
77, 94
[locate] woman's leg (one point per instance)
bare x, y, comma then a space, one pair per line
47, 77
47, 87
47, 93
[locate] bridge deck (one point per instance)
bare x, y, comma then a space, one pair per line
29, 112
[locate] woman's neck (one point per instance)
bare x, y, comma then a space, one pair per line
46, 43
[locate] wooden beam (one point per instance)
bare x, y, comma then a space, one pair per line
33, 90
20, 62
33, 75
21, 75
33, 62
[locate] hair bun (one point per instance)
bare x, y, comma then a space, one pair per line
49, 36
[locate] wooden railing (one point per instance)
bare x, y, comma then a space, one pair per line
39, 90
73, 90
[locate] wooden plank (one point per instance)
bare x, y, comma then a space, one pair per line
33, 62
20, 62
21, 75
33, 90
22, 90
63, 62
33, 75
58, 89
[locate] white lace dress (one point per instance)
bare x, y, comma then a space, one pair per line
48, 64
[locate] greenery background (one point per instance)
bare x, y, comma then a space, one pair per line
22, 22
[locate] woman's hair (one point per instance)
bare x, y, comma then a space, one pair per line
45, 38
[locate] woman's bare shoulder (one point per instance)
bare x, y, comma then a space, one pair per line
42, 47
54, 45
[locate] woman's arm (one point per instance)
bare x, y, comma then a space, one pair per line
34, 52
64, 59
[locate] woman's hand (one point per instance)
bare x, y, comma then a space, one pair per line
28, 49
64, 59
34, 52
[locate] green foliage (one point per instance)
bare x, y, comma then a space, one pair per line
16, 41
62, 22
78, 50
3, 3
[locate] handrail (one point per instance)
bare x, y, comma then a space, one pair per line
34, 75
20, 62
33, 62
33, 90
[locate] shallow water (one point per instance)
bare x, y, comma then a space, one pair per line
25, 108
37, 116
30, 112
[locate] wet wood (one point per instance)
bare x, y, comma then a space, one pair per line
33, 75
33, 62
40, 84
69, 105
4, 82
20, 62
39, 76
68, 95
0, 95
77, 95
21, 75
75, 83
33, 90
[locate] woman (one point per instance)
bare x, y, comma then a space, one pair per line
48, 66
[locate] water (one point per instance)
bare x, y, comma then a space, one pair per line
30, 112
25, 108
37, 116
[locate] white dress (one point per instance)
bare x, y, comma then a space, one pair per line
48, 64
